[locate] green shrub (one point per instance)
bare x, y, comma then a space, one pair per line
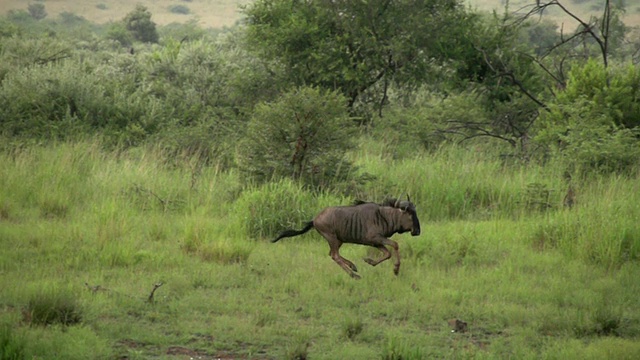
302, 136
179, 9
37, 11
118, 32
139, 23
594, 123
20, 17
69, 19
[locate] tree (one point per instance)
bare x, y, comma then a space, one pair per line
518, 84
357, 47
139, 23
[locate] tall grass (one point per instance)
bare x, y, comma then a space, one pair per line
603, 228
531, 282
455, 183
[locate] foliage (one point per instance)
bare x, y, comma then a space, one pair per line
302, 136
497, 74
615, 91
118, 32
139, 23
21, 17
187, 31
37, 11
72, 100
594, 124
182, 88
179, 9
353, 46
543, 35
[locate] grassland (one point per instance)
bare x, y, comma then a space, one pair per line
207, 13
85, 234
219, 13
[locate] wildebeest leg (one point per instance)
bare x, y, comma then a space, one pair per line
380, 243
386, 254
334, 247
394, 246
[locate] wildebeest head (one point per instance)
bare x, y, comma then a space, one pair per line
409, 219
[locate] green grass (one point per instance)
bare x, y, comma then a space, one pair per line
88, 233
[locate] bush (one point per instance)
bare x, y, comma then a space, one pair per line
118, 32
594, 123
179, 9
613, 91
37, 11
139, 23
302, 136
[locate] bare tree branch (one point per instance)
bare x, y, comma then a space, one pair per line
586, 28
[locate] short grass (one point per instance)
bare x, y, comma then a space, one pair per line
85, 235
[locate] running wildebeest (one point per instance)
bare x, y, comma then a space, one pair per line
363, 223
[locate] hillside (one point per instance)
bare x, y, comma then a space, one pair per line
219, 13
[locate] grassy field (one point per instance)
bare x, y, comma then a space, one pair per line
86, 235
219, 13
208, 13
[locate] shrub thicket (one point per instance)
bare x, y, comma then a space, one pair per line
594, 123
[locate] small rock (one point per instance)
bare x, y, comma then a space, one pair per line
458, 325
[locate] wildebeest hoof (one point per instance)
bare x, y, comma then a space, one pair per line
396, 271
370, 261
353, 267
355, 276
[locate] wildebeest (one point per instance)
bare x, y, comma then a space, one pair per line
364, 223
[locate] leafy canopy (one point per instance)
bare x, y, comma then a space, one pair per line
354, 46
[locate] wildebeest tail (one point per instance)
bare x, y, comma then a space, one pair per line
292, 232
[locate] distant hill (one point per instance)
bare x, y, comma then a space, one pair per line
220, 13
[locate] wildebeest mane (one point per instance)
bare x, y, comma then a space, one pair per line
387, 202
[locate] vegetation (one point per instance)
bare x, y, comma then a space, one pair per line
145, 167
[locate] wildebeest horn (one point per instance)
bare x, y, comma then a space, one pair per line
397, 204
408, 199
